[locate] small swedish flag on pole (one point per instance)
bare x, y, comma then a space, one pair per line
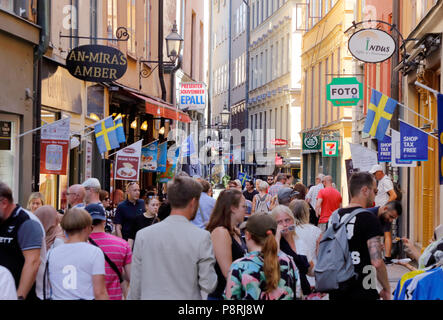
119, 130
105, 135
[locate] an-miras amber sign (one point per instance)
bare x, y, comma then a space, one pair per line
96, 63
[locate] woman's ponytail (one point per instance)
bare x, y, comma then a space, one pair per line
271, 266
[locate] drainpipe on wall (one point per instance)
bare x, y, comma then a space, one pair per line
43, 22
160, 49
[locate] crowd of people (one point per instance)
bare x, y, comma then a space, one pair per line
259, 241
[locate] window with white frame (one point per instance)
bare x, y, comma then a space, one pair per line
131, 25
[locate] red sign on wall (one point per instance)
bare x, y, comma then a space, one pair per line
54, 147
279, 142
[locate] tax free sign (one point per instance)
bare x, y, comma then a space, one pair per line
344, 92
192, 95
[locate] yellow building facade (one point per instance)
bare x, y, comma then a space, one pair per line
325, 56
421, 20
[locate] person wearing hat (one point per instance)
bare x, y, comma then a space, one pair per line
273, 274
92, 187
285, 195
114, 248
385, 187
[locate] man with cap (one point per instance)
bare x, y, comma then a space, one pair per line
118, 254
385, 188
285, 195
92, 187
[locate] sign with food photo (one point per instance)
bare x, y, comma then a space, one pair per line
149, 157
127, 163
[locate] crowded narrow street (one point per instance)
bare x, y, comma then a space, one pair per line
221, 150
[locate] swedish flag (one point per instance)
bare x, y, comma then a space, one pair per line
380, 111
105, 135
119, 130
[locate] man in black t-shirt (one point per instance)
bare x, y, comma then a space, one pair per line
364, 237
250, 192
128, 210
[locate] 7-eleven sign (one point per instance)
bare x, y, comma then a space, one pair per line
330, 148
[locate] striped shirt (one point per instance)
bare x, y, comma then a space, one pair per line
119, 251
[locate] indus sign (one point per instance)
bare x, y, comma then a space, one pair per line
372, 45
96, 63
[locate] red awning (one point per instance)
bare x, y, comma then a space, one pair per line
162, 109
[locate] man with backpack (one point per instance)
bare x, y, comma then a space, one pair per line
350, 251
261, 202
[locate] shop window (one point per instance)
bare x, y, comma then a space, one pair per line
96, 109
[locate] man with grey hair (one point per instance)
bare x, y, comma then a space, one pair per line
92, 187
76, 196
311, 197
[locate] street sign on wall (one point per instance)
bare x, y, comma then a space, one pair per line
344, 91
311, 144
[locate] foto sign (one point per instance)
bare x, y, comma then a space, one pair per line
344, 91
96, 63
372, 45
192, 95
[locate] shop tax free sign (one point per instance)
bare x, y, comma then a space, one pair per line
344, 92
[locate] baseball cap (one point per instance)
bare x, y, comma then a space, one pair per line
92, 183
375, 168
259, 224
285, 194
96, 211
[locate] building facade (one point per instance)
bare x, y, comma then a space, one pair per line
274, 85
325, 56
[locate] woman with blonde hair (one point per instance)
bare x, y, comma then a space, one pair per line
228, 213
75, 270
261, 201
35, 201
291, 244
264, 273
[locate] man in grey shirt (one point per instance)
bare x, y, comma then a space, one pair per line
173, 259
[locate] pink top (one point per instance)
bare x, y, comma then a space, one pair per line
119, 251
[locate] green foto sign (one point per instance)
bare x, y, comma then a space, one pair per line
330, 149
344, 92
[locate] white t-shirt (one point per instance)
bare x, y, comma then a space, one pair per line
383, 186
7, 285
70, 270
306, 243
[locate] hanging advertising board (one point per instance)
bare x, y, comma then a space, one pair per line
372, 45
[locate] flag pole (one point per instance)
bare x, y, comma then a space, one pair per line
39, 128
435, 92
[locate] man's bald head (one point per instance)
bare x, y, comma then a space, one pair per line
327, 181
76, 194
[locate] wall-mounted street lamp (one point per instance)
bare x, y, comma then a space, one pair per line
174, 43
225, 114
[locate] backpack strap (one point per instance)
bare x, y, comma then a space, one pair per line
110, 262
353, 214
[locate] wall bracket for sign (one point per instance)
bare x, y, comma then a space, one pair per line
121, 34
392, 27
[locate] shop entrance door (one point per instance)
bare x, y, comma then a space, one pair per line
9, 152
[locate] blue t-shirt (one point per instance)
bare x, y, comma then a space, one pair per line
126, 213
430, 287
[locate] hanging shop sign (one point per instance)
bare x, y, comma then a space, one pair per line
127, 163
384, 149
54, 147
363, 159
372, 45
311, 144
413, 143
279, 142
344, 91
440, 135
192, 95
330, 149
96, 63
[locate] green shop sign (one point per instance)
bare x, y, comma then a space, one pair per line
311, 143
330, 149
344, 92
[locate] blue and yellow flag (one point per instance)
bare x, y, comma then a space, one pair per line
120, 131
380, 111
105, 135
